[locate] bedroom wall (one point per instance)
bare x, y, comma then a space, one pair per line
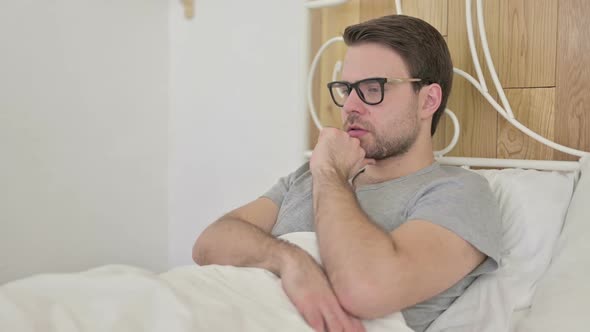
126, 129
83, 135
237, 118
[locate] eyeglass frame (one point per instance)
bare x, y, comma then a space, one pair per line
381, 80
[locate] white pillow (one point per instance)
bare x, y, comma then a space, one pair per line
533, 205
561, 300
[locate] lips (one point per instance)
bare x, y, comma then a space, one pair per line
356, 131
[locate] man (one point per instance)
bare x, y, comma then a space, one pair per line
396, 230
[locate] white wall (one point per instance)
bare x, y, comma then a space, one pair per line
83, 135
126, 129
237, 118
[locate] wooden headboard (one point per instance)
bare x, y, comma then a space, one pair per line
540, 49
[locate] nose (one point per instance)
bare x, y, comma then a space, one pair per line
354, 103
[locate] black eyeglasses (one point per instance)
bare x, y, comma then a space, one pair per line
369, 90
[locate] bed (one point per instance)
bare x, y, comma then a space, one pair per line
545, 261
540, 286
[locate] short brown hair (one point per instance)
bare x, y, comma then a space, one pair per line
420, 45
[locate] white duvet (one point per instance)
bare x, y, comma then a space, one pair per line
192, 298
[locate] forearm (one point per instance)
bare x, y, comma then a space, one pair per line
231, 241
353, 249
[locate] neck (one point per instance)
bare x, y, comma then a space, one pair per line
418, 157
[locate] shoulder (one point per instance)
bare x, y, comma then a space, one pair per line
299, 176
453, 179
289, 183
452, 191
300, 181
303, 170
462, 201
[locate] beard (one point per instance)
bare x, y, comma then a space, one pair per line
386, 146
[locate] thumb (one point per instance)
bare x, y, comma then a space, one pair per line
364, 163
315, 320
360, 167
368, 162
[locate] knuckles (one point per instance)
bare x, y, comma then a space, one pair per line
327, 131
330, 133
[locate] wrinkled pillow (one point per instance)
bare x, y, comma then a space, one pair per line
533, 206
560, 302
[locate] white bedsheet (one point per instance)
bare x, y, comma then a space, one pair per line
192, 298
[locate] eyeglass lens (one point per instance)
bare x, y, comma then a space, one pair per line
370, 91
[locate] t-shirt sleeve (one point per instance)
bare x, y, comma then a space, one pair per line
278, 191
466, 206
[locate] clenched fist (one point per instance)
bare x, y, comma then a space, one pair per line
338, 153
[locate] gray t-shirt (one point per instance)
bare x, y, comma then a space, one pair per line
457, 199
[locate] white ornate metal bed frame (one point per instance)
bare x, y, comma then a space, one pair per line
480, 84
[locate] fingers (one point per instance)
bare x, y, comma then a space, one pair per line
335, 322
360, 165
309, 290
337, 319
314, 318
366, 162
329, 316
337, 150
357, 325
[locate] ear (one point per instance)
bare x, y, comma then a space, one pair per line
432, 97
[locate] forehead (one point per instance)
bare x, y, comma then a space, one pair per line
372, 60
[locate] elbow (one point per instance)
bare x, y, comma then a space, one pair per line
203, 249
197, 257
199, 253
366, 298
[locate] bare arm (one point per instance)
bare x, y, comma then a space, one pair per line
242, 238
375, 273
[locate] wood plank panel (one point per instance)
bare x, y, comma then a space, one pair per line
534, 43
573, 77
334, 21
536, 109
528, 31
431, 11
439, 140
476, 117
376, 8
